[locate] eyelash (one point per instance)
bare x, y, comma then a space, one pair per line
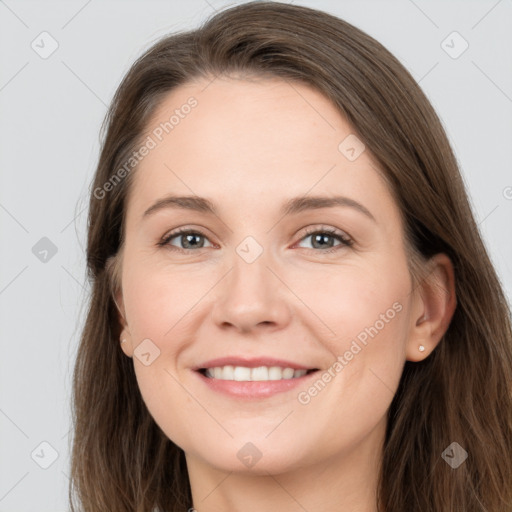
345, 240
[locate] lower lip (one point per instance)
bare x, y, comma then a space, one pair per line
253, 389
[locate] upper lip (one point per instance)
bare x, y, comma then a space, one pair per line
253, 362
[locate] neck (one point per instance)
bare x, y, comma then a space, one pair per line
346, 482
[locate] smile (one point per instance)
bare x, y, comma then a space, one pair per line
260, 373
253, 378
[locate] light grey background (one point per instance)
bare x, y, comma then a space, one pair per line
51, 111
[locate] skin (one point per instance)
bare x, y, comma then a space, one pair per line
248, 146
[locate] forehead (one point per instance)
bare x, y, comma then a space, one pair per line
241, 117
238, 139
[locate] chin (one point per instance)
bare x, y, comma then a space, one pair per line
260, 457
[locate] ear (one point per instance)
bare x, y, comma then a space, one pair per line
114, 275
434, 303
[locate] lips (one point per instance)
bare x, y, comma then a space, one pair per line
252, 377
253, 389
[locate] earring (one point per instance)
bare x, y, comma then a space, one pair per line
421, 348
123, 341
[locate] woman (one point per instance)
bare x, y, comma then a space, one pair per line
292, 305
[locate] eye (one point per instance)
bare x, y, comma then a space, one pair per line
324, 238
189, 239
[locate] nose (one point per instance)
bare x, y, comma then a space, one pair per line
250, 297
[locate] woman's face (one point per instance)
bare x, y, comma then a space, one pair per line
296, 260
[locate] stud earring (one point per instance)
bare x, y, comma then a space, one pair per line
123, 341
421, 348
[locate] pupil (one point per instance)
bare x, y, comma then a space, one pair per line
319, 237
188, 240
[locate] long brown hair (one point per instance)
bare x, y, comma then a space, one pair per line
121, 460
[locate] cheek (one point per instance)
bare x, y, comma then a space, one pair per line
364, 312
172, 409
159, 305
356, 302
157, 299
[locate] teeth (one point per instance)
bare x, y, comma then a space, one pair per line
241, 373
228, 373
261, 373
275, 373
288, 373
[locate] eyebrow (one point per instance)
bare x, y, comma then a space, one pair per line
290, 207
